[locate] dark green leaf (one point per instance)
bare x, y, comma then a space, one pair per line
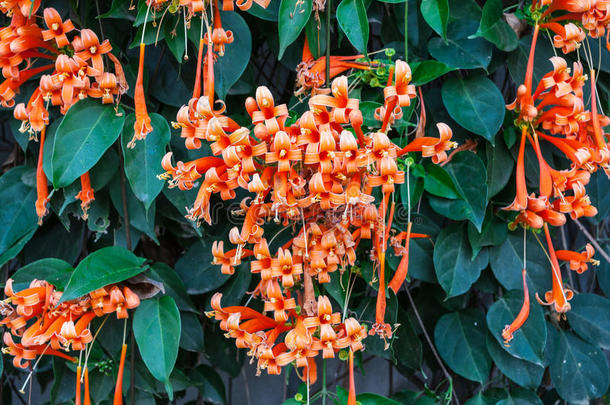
270, 13
140, 218
234, 291
55, 271
529, 341
156, 327
493, 233
103, 267
436, 14
428, 70
18, 215
352, 18
589, 318
209, 383
507, 261
174, 286
455, 269
524, 373
460, 340
191, 338
229, 68
293, 16
461, 53
517, 59
579, 371
475, 103
143, 162
197, 271
499, 166
520, 396
85, 132
438, 182
469, 177
368, 398
495, 29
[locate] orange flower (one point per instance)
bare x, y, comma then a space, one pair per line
142, 125
118, 389
57, 29
42, 190
578, 261
509, 330
86, 194
558, 296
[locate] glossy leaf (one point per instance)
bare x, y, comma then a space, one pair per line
197, 271
475, 103
507, 261
520, 397
579, 370
293, 16
438, 182
103, 267
18, 214
589, 317
209, 383
461, 53
524, 373
142, 163
436, 14
500, 166
191, 338
173, 284
529, 341
459, 338
469, 177
156, 327
425, 71
87, 130
229, 68
495, 29
352, 18
54, 271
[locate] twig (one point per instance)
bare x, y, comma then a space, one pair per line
434, 352
592, 240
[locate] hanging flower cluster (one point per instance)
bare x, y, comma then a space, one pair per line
77, 71
555, 110
315, 177
45, 325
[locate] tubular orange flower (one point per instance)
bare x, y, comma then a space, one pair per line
558, 296
57, 29
578, 261
87, 400
142, 125
42, 189
86, 194
351, 396
509, 330
118, 389
77, 397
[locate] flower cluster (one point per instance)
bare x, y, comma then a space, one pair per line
315, 177
555, 111
77, 71
46, 325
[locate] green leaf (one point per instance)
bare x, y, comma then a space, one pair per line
316, 37
524, 373
156, 327
436, 14
143, 162
103, 267
579, 371
269, 14
517, 59
589, 318
84, 134
368, 398
529, 341
197, 271
598, 192
493, 233
499, 166
234, 291
229, 68
352, 18
461, 53
469, 177
475, 103
18, 217
460, 340
293, 16
438, 182
191, 338
425, 71
455, 270
495, 29
520, 396
55, 271
209, 383
507, 261
140, 218
174, 287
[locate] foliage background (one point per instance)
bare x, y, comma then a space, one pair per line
464, 287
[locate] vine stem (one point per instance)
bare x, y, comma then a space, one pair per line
406, 32
434, 352
592, 240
